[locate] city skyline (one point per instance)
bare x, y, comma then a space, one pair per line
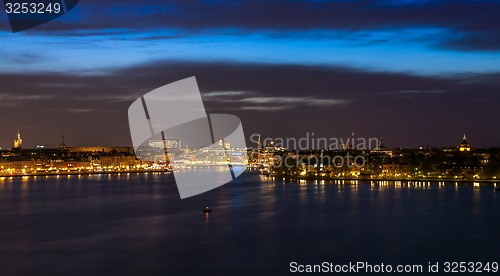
413, 72
314, 143
462, 162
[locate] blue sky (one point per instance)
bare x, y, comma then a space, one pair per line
373, 35
411, 50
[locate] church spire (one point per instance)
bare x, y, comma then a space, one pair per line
63, 143
464, 146
18, 142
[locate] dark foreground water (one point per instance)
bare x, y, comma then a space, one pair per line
137, 225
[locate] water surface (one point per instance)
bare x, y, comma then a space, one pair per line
135, 224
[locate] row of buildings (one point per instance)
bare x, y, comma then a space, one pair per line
460, 162
63, 159
149, 157
66, 160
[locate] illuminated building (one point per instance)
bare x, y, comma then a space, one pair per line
382, 149
165, 144
464, 146
224, 144
18, 142
395, 169
99, 149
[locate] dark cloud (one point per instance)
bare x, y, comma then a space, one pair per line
275, 100
474, 24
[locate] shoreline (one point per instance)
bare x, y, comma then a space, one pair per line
389, 179
447, 180
83, 173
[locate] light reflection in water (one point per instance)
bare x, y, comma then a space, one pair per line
354, 184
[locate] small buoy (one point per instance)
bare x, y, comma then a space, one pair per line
207, 210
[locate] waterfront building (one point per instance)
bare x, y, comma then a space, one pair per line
395, 169
117, 161
17, 165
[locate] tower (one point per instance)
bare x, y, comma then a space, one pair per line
18, 142
63, 143
464, 146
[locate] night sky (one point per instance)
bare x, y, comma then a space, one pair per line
411, 72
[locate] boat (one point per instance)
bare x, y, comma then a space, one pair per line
207, 210
497, 189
